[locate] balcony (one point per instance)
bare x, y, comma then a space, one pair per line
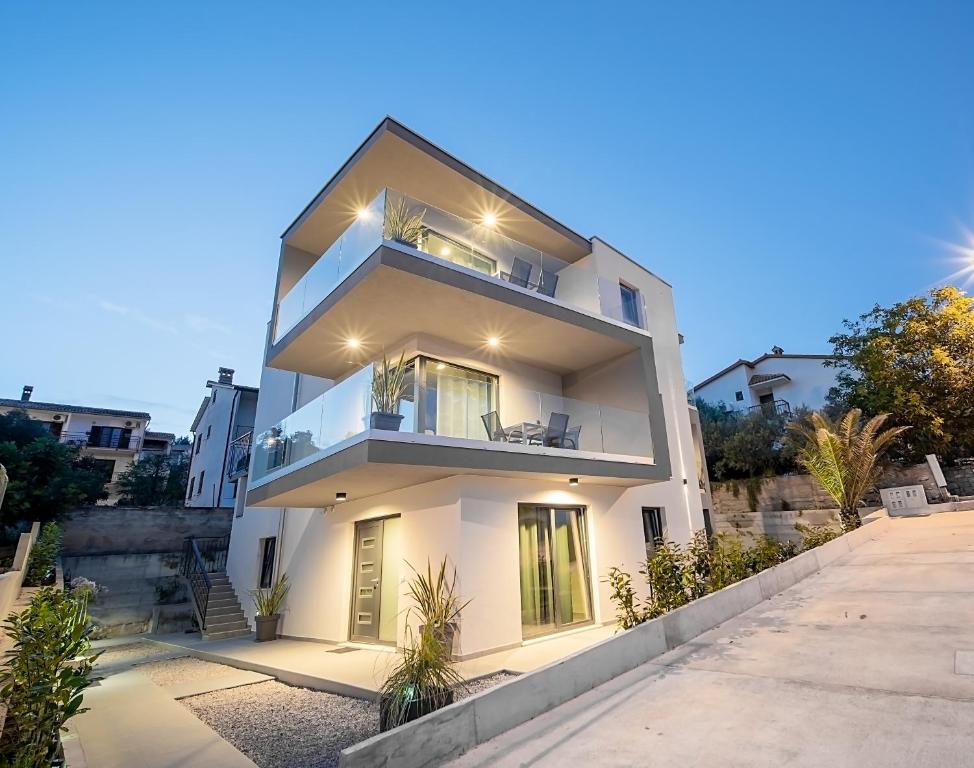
772, 408
238, 457
109, 439
449, 426
416, 241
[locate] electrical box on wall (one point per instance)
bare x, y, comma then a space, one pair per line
903, 500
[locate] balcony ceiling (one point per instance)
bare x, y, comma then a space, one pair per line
380, 305
397, 158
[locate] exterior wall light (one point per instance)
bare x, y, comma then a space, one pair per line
573, 481
340, 497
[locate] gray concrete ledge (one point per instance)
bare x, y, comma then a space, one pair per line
451, 731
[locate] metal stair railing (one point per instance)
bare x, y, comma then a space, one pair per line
201, 557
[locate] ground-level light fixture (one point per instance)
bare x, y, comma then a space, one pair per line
573, 481
340, 497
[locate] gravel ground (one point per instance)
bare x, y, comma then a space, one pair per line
483, 684
131, 653
281, 726
182, 670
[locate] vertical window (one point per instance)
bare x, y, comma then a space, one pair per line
630, 304
739, 396
192, 484
200, 489
198, 443
267, 549
654, 528
209, 431
707, 523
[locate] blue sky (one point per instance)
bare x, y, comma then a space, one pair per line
784, 165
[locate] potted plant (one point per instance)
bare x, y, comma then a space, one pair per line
388, 387
403, 226
425, 676
437, 604
268, 604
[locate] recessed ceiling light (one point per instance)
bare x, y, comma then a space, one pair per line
490, 219
353, 343
362, 213
493, 341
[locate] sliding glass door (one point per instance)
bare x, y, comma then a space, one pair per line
454, 399
555, 584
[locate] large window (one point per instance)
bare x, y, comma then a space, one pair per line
448, 400
109, 437
654, 527
555, 589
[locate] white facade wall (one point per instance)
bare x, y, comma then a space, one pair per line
227, 412
810, 383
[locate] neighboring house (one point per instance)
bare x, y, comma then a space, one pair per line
545, 434
225, 419
156, 443
776, 381
112, 438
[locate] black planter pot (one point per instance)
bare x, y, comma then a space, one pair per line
390, 421
267, 627
414, 709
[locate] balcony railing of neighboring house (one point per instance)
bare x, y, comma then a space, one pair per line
112, 440
521, 417
772, 408
238, 459
471, 245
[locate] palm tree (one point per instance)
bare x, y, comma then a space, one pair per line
844, 457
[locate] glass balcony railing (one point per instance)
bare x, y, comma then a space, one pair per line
394, 217
501, 414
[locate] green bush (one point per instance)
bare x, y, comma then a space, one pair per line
43, 555
676, 575
816, 535
46, 672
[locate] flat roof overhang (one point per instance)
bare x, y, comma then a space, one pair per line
394, 156
395, 294
379, 462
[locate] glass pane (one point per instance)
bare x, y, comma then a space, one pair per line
389, 583
570, 566
456, 400
537, 591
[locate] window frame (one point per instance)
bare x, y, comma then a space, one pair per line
625, 288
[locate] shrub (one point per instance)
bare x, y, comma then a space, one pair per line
665, 574
629, 612
816, 535
730, 561
85, 589
43, 555
43, 683
768, 552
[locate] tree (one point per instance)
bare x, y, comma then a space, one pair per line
914, 361
46, 477
156, 480
844, 457
744, 445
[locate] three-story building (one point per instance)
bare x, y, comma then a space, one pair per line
542, 434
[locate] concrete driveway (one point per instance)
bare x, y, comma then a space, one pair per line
867, 663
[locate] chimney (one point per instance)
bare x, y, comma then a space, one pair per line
776, 351
226, 376
25, 395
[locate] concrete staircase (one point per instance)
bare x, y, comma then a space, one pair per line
224, 616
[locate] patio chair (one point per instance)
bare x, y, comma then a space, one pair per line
554, 434
549, 280
520, 273
572, 438
496, 431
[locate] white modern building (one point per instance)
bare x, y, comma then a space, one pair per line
223, 423
776, 381
112, 438
542, 436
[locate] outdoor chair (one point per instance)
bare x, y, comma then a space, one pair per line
549, 280
572, 438
520, 273
554, 434
496, 431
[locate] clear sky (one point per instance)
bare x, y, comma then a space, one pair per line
784, 165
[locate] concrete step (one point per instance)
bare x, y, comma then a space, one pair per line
224, 623
224, 635
220, 602
222, 588
224, 610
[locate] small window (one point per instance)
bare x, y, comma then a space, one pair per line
738, 395
209, 431
630, 304
202, 475
192, 484
267, 549
199, 442
708, 523
654, 527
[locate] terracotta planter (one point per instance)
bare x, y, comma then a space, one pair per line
267, 627
389, 421
414, 709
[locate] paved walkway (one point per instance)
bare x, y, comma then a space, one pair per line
358, 671
868, 663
